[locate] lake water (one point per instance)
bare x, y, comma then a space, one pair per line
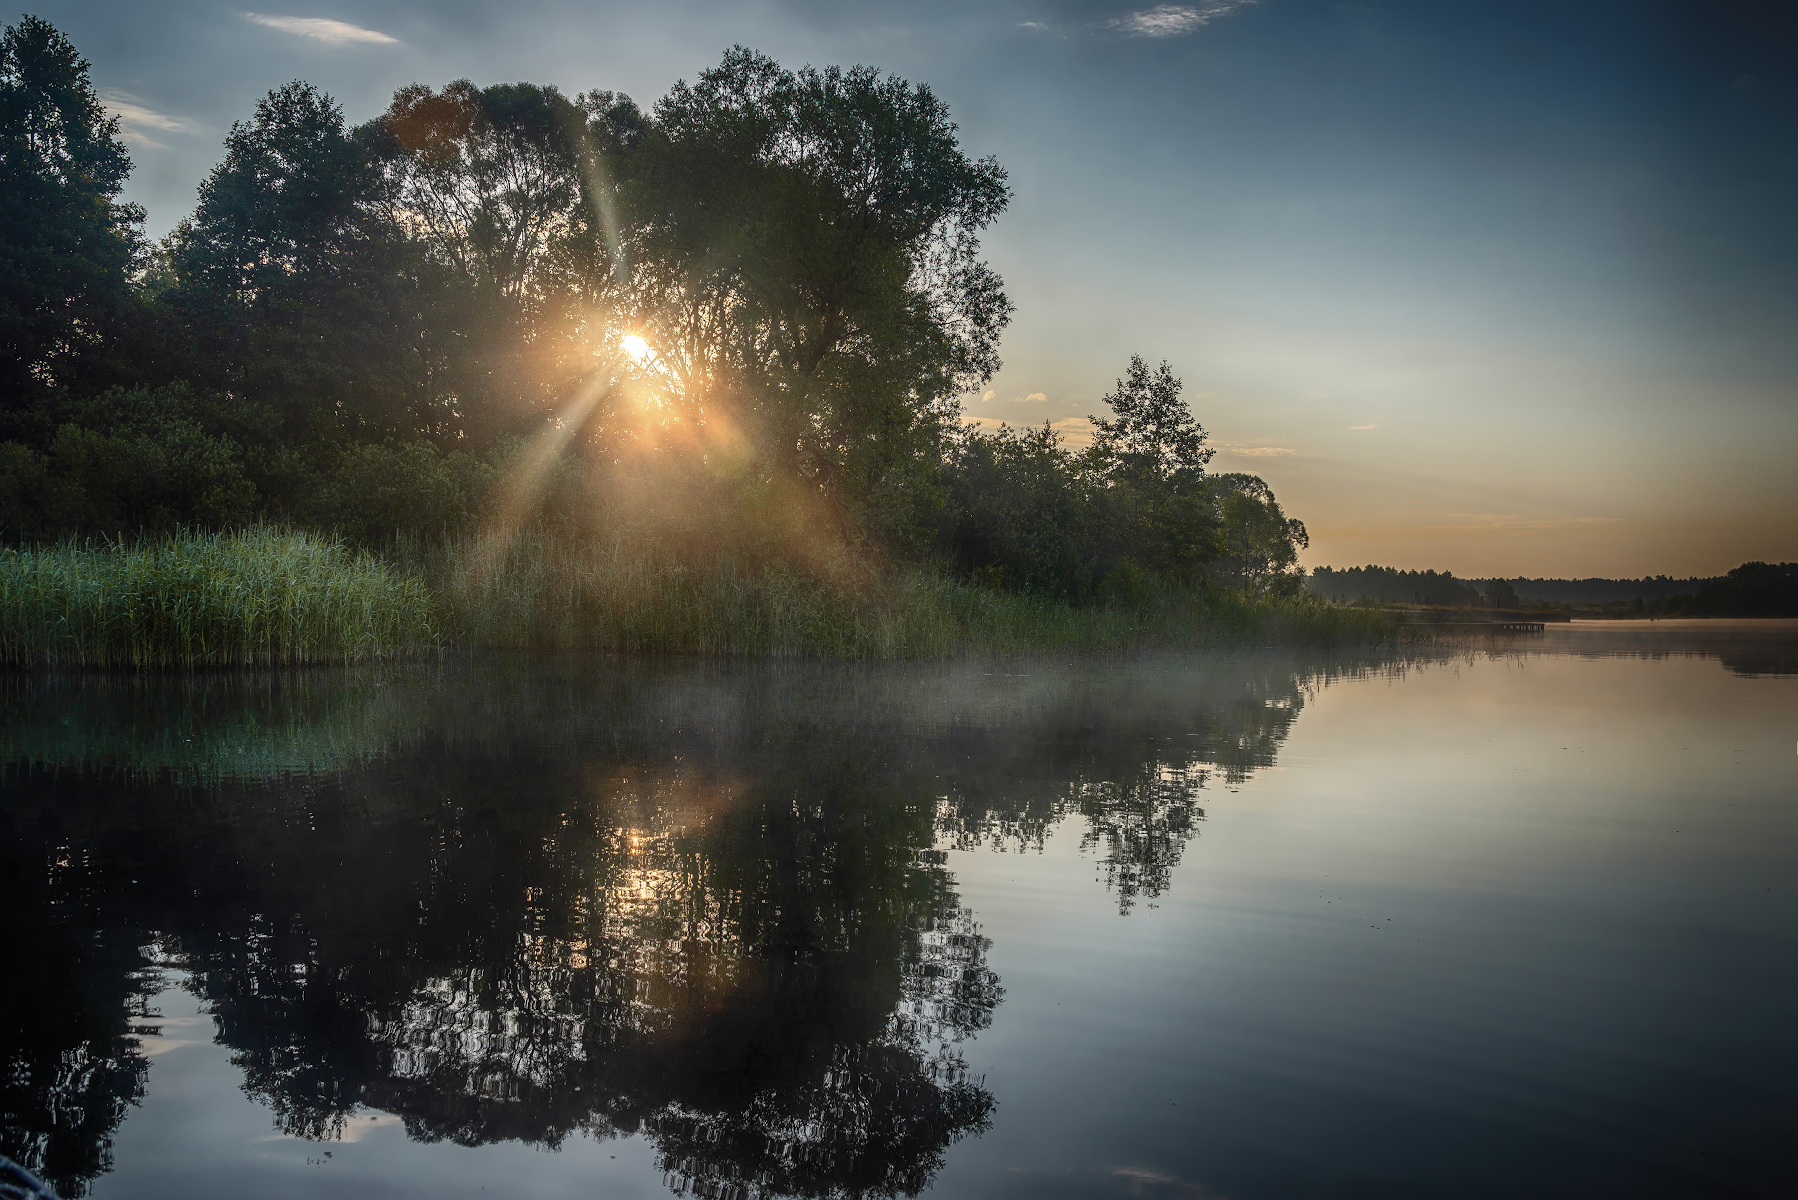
1514, 917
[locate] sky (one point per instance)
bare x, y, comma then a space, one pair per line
1497, 288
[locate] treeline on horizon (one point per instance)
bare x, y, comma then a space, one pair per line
1752, 589
736, 323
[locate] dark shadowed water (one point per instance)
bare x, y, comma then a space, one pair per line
1510, 918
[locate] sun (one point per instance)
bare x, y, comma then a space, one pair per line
636, 347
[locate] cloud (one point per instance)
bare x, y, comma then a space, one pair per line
1258, 451
1076, 432
1032, 398
1353, 428
1173, 20
988, 394
135, 121
322, 29
1162, 1183
359, 1127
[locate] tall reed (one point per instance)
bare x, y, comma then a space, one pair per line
542, 589
263, 597
259, 596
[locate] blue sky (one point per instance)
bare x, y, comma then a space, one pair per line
1491, 287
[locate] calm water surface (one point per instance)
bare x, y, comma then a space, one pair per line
1514, 918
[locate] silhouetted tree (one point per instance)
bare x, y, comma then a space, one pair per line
293, 289
67, 246
1261, 543
804, 256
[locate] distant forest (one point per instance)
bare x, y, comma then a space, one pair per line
1753, 589
1433, 587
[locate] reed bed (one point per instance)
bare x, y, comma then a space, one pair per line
539, 589
270, 597
256, 597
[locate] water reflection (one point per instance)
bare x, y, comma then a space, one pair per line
514, 902
526, 901
1748, 648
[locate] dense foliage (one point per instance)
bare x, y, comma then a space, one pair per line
1755, 589
67, 247
1134, 507
742, 318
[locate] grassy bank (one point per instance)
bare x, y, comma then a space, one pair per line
268, 597
540, 590
253, 598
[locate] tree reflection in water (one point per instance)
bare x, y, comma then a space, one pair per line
709, 906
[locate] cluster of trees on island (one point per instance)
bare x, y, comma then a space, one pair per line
740, 319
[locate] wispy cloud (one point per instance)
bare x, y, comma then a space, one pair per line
136, 121
1353, 428
988, 394
1076, 432
1173, 20
322, 29
1032, 398
1258, 451
1163, 1183
359, 1128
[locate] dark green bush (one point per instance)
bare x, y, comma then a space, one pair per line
1261, 544
372, 492
1023, 514
144, 464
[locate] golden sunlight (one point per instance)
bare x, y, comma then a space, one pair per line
636, 347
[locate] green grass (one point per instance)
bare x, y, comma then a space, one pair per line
258, 597
265, 597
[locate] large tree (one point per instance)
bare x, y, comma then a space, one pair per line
1149, 459
804, 260
67, 246
295, 288
511, 189
1259, 544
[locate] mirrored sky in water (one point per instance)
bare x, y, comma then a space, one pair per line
1507, 918
1499, 289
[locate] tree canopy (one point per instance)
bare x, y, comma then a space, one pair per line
743, 317
67, 246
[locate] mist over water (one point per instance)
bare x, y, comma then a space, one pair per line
1491, 918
